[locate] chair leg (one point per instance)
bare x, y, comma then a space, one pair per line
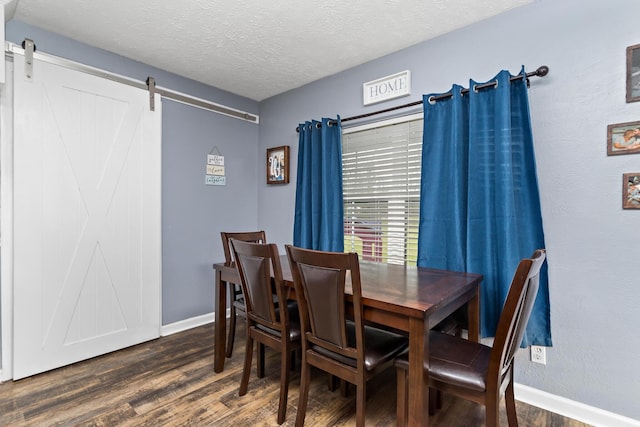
232, 318
344, 388
361, 397
260, 367
438, 399
402, 406
332, 382
305, 379
433, 401
509, 400
232, 331
492, 410
293, 360
285, 364
246, 370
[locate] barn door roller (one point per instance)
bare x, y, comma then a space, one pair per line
29, 47
151, 85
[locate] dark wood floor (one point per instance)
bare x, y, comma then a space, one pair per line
170, 382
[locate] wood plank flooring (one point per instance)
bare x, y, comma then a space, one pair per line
170, 382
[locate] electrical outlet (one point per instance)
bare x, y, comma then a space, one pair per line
538, 354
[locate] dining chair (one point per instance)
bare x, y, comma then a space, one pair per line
273, 323
474, 371
349, 350
236, 307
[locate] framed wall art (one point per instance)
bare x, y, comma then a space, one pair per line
631, 190
623, 138
278, 165
633, 73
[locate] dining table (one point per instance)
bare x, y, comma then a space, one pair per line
405, 298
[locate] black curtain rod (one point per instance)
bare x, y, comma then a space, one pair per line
539, 72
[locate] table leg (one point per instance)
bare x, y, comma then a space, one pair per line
473, 310
220, 307
418, 388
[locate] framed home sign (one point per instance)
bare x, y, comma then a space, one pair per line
633, 73
386, 88
278, 165
631, 191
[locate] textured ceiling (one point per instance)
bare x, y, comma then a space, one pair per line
253, 48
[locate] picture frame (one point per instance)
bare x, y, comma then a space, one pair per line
631, 190
633, 73
623, 138
278, 165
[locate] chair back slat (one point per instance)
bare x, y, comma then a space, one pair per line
324, 289
322, 278
257, 275
516, 312
245, 236
260, 272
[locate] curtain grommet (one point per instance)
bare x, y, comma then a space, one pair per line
432, 100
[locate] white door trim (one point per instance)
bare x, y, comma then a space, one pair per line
6, 221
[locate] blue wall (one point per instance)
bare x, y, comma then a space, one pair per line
193, 214
592, 243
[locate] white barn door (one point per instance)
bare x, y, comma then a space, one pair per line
87, 231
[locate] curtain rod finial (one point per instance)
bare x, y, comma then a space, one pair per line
542, 71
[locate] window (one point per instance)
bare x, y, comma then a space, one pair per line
381, 189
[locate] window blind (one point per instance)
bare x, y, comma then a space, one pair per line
381, 189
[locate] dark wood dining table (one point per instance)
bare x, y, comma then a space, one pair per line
409, 299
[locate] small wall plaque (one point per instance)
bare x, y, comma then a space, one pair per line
215, 180
214, 159
215, 170
386, 88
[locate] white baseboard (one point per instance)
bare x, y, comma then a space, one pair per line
183, 325
571, 409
